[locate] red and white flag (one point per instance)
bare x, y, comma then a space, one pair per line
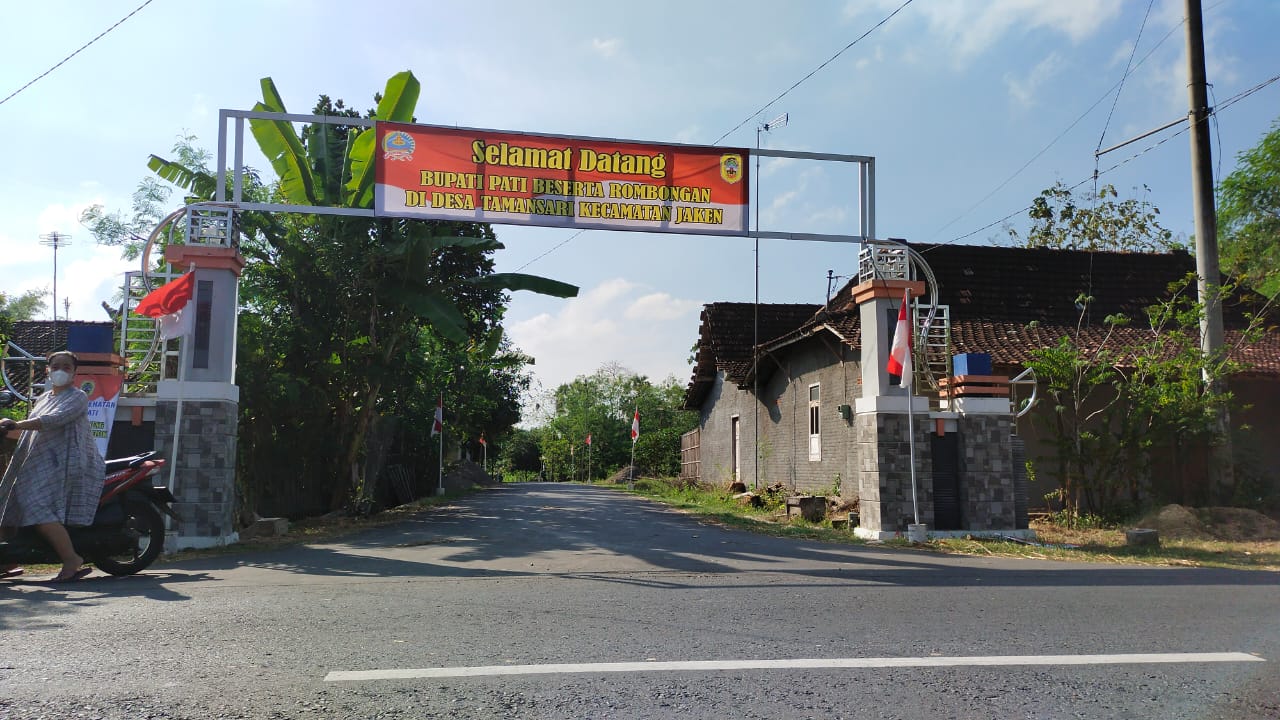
588, 438
437, 425
900, 353
635, 426
170, 305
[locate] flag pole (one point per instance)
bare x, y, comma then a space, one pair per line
911, 416
181, 380
440, 469
635, 433
589, 451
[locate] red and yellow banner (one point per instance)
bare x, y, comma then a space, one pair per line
423, 171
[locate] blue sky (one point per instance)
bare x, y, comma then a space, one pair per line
956, 100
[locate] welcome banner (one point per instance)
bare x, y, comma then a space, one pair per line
430, 172
104, 395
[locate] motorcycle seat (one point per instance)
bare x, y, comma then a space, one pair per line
128, 462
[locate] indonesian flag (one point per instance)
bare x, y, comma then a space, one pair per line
437, 426
482, 442
588, 438
635, 426
170, 305
900, 352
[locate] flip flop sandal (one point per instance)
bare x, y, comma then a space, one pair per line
11, 573
77, 575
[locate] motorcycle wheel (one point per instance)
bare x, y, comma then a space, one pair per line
145, 527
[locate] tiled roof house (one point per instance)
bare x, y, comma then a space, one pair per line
1005, 302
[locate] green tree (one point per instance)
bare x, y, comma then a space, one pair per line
1061, 219
603, 404
1114, 403
1249, 216
25, 306
338, 312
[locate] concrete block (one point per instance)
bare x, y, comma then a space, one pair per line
1142, 537
266, 527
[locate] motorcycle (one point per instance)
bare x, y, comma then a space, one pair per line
127, 533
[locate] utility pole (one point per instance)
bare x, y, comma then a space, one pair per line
56, 240
1221, 471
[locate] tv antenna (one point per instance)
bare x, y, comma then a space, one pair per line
56, 240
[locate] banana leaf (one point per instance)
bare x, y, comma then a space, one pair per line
521, 281
199, 184
279, 142
398, 101
433, 307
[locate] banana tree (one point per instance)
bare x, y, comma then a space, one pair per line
391, 277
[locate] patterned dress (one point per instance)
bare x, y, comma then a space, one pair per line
56, 473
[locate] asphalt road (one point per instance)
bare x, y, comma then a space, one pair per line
557, 601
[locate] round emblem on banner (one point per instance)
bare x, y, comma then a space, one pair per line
397, 145
87, 386
731, 168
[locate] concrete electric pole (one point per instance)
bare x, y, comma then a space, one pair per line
1221, 470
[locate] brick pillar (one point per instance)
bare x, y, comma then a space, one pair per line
884, 473
205, 464
987, 491
205, 476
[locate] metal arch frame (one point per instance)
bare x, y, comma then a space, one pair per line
866, 175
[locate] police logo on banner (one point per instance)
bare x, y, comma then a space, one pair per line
731, 168
397, 145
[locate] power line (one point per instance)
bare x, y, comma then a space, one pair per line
1128, 68
1061, 135
801, 81
753, 115
553, 249
77, 52
1225, 104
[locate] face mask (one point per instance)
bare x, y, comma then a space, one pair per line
60, 378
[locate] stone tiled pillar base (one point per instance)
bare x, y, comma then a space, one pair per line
884, 473
987, 492
205, 478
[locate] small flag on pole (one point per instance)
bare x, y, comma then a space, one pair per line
482, 442
588, 438
635, 426
170, 305
437, 426
900, 353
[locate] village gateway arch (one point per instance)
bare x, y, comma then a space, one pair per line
516, 178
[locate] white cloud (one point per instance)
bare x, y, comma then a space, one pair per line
615, 321
969, 27
606, 48
876, 57
62, 218
661, 306
1024, 89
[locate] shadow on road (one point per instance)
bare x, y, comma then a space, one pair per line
611, 537
28, 603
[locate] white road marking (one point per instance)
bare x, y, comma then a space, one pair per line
711, 665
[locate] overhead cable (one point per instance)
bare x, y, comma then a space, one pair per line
77, 52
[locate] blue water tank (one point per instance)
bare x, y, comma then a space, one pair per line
89, 338
971, 364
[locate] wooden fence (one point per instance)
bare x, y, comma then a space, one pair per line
690, 455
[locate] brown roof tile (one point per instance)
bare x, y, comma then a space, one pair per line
725, 340
1004, 301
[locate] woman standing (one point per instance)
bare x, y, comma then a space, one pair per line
56, 474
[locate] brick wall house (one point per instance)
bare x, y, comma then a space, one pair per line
1004, 302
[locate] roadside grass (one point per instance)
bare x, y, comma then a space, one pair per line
1055, 542
716, 506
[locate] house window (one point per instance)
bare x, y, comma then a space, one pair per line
203, 324
736, 448
815, 418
